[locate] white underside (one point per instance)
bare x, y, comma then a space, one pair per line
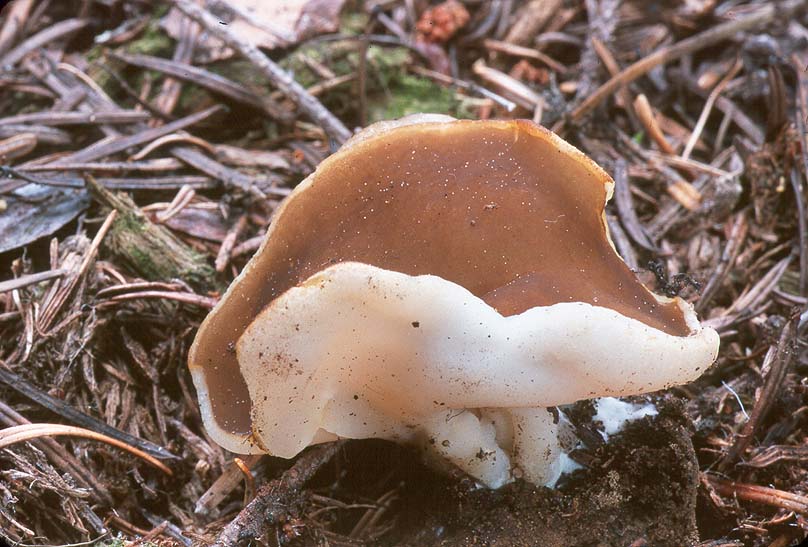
358, 352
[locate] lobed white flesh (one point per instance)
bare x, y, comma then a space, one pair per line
357, 351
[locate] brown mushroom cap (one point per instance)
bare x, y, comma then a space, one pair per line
505, 209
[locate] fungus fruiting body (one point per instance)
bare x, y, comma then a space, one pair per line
443, 283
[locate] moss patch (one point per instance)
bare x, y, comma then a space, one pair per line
392, 92
153, 41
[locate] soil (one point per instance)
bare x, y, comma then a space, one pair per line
639, 489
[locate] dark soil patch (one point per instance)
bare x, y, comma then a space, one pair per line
640, 489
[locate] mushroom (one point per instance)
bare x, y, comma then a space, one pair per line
439, 282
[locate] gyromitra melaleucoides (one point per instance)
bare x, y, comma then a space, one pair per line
442, 283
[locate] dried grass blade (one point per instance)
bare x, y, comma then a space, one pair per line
70, 413
20, 433
31, 279
186, 297
53, 117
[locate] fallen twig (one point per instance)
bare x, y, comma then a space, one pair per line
279, 77
150, 249
778, 453
271, 499
232, 476
758, 494
708, 106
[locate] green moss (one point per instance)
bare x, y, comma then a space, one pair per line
161, 10
340, 57
388, 63
398, 93
123, 230
410, 95
392, 91
95, 53
235, 69
143, 264
129, 223
241, 71
153, 41
353, 22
